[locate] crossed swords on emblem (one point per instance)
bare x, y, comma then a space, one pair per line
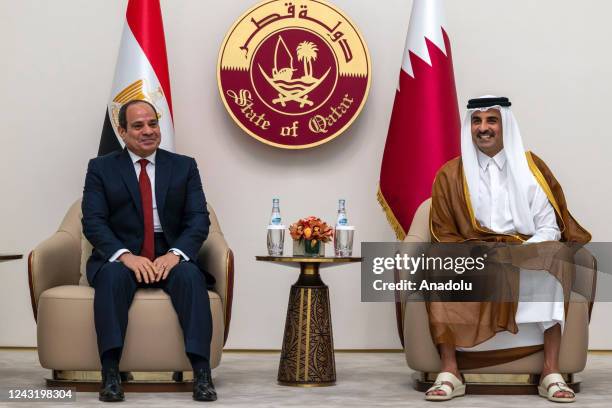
294, 89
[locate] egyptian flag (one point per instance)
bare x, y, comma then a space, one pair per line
424, 132
141, 73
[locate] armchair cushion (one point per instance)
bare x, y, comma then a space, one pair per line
153, 342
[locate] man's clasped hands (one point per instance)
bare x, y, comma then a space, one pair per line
147, 270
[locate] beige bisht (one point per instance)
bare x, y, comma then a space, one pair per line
452, 220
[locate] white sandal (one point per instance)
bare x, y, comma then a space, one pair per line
449, 384
552, 384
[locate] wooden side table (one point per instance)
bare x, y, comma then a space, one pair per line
307, 357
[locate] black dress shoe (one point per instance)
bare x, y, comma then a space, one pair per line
111, 390
203, 387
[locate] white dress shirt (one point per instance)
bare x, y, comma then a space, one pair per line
156, 223
493, 210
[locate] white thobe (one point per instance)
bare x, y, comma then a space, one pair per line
493, 212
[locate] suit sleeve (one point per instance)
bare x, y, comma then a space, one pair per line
96, 214
195, 221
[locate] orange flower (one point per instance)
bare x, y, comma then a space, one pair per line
311, 228
296, 231
307, 232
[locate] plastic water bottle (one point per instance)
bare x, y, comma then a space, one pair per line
342, 220
275, 218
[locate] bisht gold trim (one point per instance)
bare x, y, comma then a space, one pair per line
542, 182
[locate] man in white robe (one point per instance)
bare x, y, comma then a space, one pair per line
507, 199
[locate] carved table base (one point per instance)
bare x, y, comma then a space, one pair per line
307, 357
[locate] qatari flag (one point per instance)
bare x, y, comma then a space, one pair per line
141, 73
424, 132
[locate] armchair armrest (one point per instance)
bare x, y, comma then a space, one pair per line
54, 262
217, 258
585, 279
400, 306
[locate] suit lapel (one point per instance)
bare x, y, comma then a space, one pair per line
163, 172
128, 174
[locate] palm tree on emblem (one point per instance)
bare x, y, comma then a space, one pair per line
307, 52
293, 89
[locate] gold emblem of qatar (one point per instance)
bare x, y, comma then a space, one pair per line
294, 74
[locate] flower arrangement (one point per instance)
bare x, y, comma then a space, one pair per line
313, 231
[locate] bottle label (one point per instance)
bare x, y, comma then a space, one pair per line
275, 221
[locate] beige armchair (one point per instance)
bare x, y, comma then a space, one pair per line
62, 302
519, 376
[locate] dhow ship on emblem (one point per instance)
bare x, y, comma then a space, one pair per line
289, 88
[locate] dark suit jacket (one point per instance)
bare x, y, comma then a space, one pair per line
112, 208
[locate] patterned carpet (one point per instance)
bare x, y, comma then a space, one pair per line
249, 380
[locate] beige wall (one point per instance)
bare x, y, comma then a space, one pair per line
551, 57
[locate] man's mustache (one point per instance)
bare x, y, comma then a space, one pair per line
486, 133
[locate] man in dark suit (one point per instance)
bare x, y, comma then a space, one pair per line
144, 212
